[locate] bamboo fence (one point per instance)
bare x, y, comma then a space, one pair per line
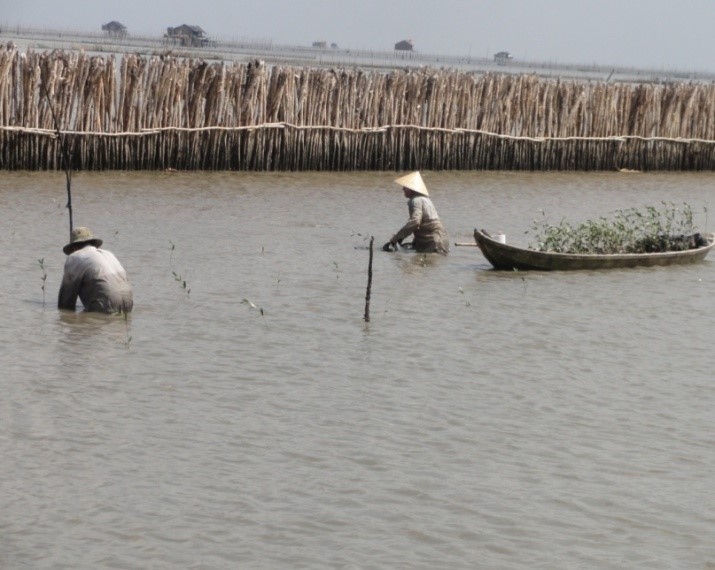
163, 112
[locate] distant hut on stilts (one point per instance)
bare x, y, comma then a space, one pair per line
404, 48
404, 45
186, 35
114, 29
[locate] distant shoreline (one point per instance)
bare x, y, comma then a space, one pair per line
328, 57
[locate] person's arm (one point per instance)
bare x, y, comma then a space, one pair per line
412, 224
69, 289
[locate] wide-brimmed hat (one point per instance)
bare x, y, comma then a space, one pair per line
414, 182
80, 237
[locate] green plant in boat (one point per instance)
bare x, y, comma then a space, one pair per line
651, 230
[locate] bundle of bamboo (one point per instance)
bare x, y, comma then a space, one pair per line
165, 112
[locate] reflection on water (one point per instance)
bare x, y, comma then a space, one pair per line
81, 328
481, 419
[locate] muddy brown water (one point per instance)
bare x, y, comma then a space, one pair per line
481, 419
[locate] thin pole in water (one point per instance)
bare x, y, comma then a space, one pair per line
63, 149
369, 284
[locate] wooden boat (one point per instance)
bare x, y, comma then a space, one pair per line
509, 257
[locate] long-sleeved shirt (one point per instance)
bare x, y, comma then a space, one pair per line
98, 279
426, 226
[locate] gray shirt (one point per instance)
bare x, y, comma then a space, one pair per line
424, 223
98, 279
422, 212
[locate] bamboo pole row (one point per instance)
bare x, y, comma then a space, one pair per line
164, 112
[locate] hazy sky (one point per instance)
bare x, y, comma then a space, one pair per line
658, 34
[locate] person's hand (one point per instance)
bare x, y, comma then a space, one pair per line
387, 246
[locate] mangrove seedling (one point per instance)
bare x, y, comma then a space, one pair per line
44, 279
630, 231
126, 323
705, 209
180, 279
252, 305
467, 302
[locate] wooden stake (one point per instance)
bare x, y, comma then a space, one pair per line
63, 149
369, 283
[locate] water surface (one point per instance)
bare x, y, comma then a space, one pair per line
252, 419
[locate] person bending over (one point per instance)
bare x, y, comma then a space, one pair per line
424, 223
95, 276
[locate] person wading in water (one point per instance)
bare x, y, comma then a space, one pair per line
424, 223
95, 276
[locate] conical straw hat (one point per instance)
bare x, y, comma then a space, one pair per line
414, 182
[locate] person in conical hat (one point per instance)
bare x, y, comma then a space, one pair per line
429, 235
94, 275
